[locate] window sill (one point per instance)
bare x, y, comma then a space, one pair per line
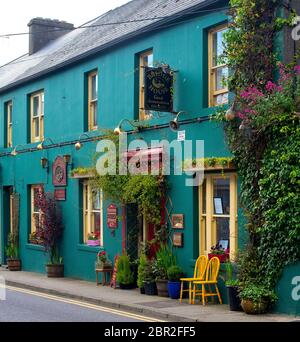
86, 248
35, 247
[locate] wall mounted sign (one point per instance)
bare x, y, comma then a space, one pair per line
181, 136
178, 239
178, 221
158, 90
112, 216
60, 194
59, 172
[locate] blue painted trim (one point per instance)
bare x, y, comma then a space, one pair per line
89, 249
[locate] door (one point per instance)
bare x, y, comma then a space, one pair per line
218, 213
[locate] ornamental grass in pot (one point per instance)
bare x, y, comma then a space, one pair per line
149, 283
174, 274
49, 229
163, 261
233, 288
143, 263
12, 253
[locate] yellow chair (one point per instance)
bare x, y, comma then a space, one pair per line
211, 278
199, 273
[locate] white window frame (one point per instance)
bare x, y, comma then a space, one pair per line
39, 116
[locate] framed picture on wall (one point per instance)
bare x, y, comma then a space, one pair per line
178, 221
178, 239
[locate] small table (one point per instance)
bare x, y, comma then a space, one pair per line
103, 271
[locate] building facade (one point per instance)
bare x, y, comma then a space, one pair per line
55, 101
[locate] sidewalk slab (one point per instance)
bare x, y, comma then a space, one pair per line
131, 300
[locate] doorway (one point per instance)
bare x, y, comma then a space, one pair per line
218, 213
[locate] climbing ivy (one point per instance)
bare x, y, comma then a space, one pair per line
263, 132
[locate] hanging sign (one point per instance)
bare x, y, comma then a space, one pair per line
158, 89
60, 194
59, 172
112, 216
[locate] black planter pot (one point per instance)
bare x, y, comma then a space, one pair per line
142, 290
126, 286
134, 270
150, 288
233, 298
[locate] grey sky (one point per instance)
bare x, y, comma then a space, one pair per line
16, 14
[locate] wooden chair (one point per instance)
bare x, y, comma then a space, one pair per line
211, 279
199, 273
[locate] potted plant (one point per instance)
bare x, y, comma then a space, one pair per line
233, 288
12, 253
174, 274
143, 262
49, 229
103, 261
164, 259
93, 239
125, 276
149, 283
257, 299
219, 252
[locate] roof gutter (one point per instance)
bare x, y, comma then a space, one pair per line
110, 44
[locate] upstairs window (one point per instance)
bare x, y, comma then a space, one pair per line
8, 111
145, 60
37, 116
93, 101
218, 72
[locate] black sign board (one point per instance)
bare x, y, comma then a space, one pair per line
158, 90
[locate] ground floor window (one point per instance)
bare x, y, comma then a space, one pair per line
92, 213
36, 214
218, 213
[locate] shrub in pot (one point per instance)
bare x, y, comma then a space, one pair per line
125, 276
163, 260
257, 299
49, 229
12, 253
174, 275
143, 262
149, 283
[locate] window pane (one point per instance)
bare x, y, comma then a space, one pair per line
218, 48
221, 99
96, 200
94, 85
221, 76
223, 230
222, 192
94, 114
42, 99
36, 106
36, 128
9, 114
96, 222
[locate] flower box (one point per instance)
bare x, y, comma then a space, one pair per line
222, 257
93, 243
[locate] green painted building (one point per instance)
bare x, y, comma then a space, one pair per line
75, 82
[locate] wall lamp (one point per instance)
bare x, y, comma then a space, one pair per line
14, 152
78, 145
118, 129
44, 163
174, 124
40, 146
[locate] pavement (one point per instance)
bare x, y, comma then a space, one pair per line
132, 301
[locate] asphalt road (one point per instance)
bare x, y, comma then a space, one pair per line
28, 306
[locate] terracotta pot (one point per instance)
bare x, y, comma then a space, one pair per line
14, 264
252, 308
55, 271
162, 288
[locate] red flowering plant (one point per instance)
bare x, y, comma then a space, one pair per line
258, 106
102, 256
49, 226
94, 236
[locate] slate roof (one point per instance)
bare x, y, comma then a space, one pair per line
84, 42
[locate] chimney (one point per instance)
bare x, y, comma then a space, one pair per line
44, 31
